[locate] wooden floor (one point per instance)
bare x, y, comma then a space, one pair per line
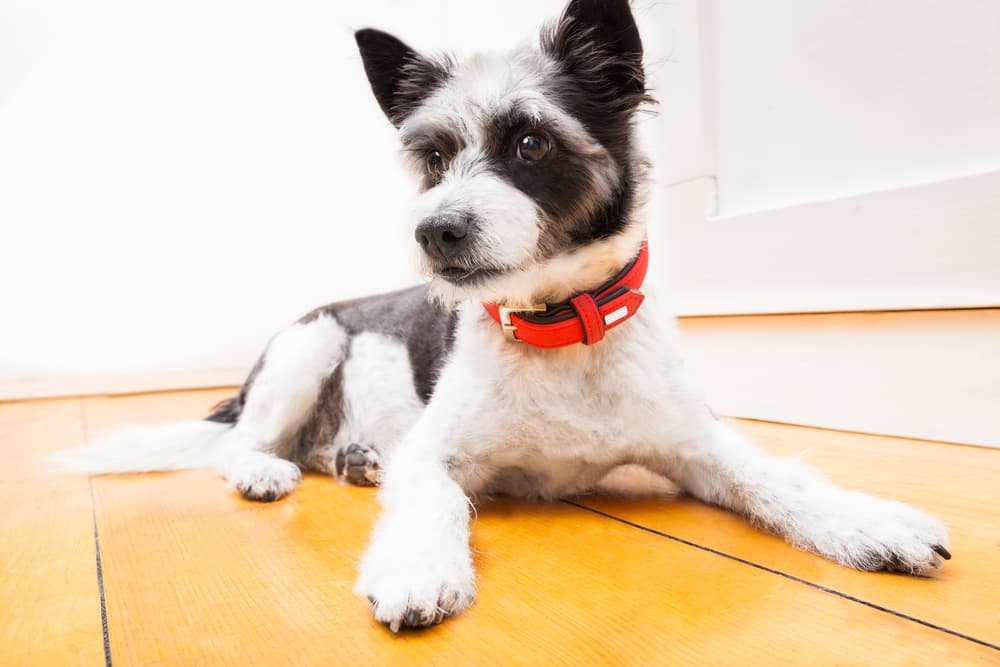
176, 569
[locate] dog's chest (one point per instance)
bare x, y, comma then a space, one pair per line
547, 420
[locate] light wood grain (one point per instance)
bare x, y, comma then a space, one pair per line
959, 484
104, 413
196, 575
557, 587
49, 600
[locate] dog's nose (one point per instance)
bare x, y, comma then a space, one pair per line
444, 236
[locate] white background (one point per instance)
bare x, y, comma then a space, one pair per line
179, 180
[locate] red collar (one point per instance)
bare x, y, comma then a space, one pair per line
582, 319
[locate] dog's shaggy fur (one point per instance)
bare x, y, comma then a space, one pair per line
531, 186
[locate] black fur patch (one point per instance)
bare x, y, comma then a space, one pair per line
226, 412
400, 77
601, 83
229, 411
560, 183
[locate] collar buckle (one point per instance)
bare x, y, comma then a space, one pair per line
509, 328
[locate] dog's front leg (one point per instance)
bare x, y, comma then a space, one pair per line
418, 568
723, 467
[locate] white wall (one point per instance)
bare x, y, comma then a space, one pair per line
821, 100
849, 157
179, 180
920, 374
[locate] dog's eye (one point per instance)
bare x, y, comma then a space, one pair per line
532, 147
435, 163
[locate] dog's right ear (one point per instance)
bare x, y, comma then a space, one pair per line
399, 76
598, 43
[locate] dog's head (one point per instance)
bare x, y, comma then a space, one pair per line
529, 172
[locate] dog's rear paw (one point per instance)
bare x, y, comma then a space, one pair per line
359, 465
265, 478
869, 533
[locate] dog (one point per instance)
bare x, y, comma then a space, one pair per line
533, 363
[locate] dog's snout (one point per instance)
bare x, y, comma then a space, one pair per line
444, 236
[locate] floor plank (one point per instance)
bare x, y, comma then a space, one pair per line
957, 483
203, 577
104, 413
194, 574
49, 597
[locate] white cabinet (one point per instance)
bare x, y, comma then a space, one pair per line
827, 156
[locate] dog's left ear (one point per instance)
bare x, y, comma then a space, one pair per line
598, 42
399, 76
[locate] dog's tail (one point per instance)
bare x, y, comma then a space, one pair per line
177, 446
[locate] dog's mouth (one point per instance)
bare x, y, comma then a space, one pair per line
461, 275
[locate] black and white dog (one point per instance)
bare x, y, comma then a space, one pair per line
531, 364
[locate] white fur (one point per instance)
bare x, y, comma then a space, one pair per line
418, 562
513, 419
550, 280
296, 363
485, 83
558, 278
507, 418
550, 423
508, 234
788, 497
259, 475
509, 222
633, 481
177, 446
380, 402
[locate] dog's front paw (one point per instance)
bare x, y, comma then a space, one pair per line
414, 586
869, 533
264, 478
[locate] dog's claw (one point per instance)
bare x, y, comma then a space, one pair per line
394, 626
895, 564
941, 551
412, 617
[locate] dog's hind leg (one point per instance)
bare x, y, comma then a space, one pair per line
297, 365
378, 405
725, 468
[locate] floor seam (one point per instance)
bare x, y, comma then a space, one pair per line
97, 550
791, 577
100, 582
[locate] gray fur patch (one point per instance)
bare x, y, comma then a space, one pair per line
407, 315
